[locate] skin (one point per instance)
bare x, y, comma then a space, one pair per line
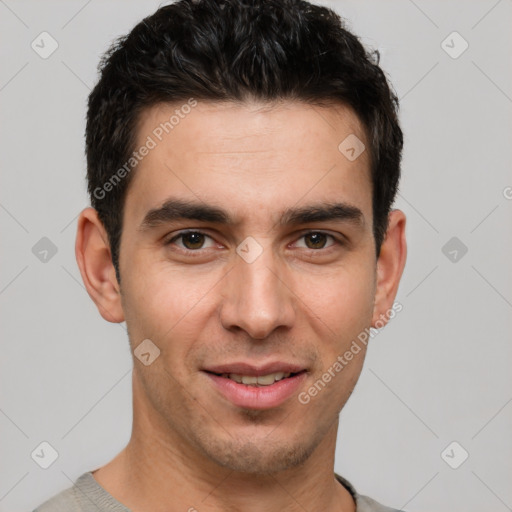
297, 302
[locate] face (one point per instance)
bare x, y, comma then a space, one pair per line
247, 252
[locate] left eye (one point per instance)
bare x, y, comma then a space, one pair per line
316, 240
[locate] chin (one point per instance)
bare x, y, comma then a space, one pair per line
260, 456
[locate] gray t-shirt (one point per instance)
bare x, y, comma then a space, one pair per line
87, 495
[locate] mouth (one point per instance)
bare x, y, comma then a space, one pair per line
258, 380
251, 388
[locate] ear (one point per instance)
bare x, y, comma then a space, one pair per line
390, 266
94, 259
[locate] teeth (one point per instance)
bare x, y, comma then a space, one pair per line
265, 380
262, 380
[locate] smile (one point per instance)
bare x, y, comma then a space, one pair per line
261, 380
259, 392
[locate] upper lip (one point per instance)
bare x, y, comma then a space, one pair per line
241, 368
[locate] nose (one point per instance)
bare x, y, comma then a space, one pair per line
257, 298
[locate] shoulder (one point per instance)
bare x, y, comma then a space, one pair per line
65, 501
86, 495
364, 503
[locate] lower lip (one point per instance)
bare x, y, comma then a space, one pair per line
257, 397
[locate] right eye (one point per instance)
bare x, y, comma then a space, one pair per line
191, 240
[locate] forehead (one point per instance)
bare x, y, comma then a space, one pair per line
250, 158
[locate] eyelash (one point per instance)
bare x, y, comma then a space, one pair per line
197, 252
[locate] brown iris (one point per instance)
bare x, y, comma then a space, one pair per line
193, 240
318, 240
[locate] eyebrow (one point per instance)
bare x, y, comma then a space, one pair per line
178, 209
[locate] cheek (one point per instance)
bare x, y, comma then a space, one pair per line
165, 305
345, 311
342, 300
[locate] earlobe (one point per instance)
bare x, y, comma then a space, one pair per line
94, 259
390, 266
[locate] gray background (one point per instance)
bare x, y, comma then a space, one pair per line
438, 373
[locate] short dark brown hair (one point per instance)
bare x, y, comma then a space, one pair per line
232, 50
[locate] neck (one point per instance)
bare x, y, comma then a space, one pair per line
160, 471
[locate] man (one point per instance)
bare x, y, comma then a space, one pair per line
243, 157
